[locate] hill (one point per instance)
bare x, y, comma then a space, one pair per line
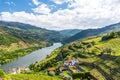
99, 56
93, 32
18, 39
19, 29
69, 32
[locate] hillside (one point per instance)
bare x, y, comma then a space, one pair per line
98, 56
15, 43
69, 32
30, 31
18, 39
36, 76
93, 32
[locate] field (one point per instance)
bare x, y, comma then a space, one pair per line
33, 77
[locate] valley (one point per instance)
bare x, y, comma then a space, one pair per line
91, 58
59, 40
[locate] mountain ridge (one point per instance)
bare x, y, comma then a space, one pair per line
93, 32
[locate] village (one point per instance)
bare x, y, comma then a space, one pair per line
17, 70
68, 63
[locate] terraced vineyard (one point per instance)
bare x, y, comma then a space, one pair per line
103, 54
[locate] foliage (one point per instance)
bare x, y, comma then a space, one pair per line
33, 77
6, 39
2, 74
107, 51
6, 57
110, 36
48, 62
117, 60
51, 73
82, 75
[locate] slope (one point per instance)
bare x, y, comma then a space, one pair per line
98, 55
93, 32
69, 32
19, 29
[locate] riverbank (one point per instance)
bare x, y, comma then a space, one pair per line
17, 50
37, 55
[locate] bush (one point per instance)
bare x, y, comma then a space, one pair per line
110, 36
2, 74
117, 60
81, 75
51, 73
89, 45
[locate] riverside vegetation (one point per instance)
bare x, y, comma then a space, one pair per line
103, 51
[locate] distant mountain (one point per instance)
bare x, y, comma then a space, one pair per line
19, 25
69, 32
93, 32
28, 32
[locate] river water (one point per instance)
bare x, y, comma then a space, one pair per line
37, 55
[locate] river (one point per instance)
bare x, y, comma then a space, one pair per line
37, 55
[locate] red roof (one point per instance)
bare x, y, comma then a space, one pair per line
68, 61
1, 79
51, 69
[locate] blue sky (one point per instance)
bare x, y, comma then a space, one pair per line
27, 5
61, 14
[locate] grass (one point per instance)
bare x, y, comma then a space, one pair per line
113, 43
97, 74
33, 77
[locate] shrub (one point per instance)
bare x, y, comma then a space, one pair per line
81, 75
89, 45
117, 60
2, 74
51, 73
110, 36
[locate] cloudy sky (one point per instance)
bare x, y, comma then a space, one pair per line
61, 14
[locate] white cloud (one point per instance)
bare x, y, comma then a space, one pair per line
61, 1
10, 3
42, 9
84, 14
36, 2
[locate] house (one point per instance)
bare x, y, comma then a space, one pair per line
17, 70
12, 71
24, 69
1, 79
61, 68
67, 63
52, 69
71, 62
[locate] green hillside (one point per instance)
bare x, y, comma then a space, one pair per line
31, 33
36, 76
100, 56
15, 42
33, 77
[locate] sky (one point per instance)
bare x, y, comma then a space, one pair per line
61, 14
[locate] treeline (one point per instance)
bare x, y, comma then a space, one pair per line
111, 36
6, 57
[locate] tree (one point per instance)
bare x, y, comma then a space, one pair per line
107, 51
